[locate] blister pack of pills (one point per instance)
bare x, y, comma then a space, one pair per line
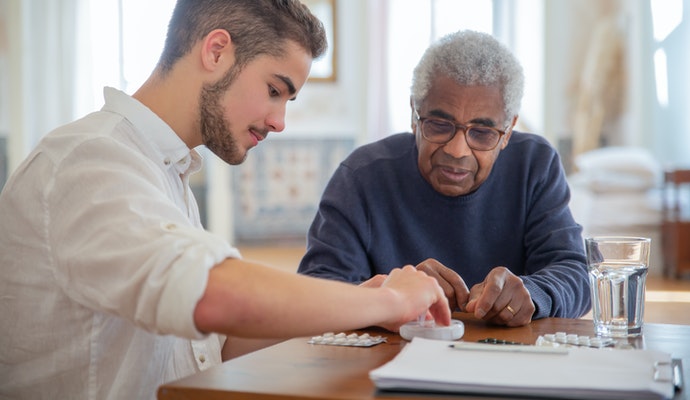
343, 339
573, 340
499, 341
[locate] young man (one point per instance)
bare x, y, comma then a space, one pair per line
464, 197
110, 286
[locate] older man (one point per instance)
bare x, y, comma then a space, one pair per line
463, 197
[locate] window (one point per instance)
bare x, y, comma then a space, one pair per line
666, 16
667, 132
117, 53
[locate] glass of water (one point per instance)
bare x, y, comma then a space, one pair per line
617, 268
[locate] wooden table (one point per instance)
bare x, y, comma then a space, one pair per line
295, 369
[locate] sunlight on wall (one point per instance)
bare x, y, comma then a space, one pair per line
661, 77
670, 24
666, 16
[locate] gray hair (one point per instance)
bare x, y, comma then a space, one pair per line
471, 58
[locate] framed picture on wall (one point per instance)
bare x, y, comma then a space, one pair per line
324, 69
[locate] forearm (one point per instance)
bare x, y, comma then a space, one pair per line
251, 300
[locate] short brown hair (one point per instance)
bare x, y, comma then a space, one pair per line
256, 27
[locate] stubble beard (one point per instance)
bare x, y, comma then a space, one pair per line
215, 130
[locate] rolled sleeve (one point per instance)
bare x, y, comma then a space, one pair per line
187, 279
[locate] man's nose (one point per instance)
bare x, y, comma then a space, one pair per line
457, 147
276, 119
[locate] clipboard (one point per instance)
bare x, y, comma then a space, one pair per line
426, 365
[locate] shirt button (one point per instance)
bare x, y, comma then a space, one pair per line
166, 161
202, 358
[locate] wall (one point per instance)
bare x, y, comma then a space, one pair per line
4, 91
669, 131
335, 109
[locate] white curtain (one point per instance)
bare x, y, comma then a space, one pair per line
378, 121
41, 74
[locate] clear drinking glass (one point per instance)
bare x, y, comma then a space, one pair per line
617, 268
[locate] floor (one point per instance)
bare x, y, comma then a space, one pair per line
667, 300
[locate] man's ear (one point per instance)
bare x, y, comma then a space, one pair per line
413, 121
217, 51
509, 133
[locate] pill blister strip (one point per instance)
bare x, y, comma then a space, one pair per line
343, 339
499, 341
573, 340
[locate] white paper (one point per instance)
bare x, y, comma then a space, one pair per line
432, 365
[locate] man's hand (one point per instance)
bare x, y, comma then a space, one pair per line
452, 284
417, 294
502, 299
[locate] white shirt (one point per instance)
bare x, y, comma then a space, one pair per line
102, 261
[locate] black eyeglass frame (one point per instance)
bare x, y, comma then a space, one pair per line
459, 127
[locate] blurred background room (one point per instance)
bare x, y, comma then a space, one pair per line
606, 83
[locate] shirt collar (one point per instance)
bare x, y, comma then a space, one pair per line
172, 151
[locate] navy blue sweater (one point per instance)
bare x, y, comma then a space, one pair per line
377, 213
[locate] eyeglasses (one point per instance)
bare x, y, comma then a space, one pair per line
441, 131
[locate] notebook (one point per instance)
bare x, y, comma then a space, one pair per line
426, 365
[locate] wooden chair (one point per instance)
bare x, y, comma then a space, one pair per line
676, 223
